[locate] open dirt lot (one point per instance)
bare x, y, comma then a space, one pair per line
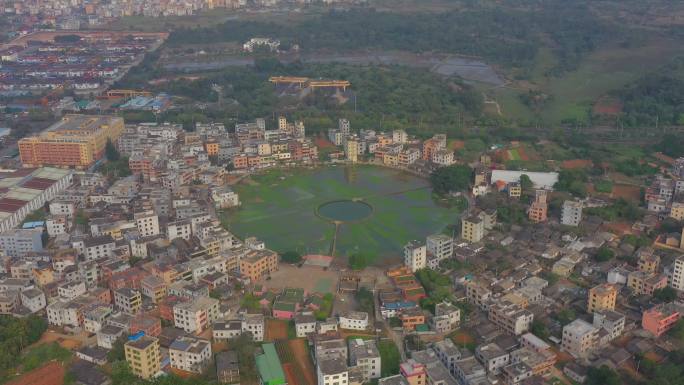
65, 341
627, 192
306, 277
51, 373
276, 329
303, 360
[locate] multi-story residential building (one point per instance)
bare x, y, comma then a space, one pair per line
344, 126
467, 370
17, 242
514, 190
538, 208
354, 320
225, 330
611, 321
75, 141
661, 318
254, 324
179, 229
336, 136
153, 287
71, 290
147, 223
59, 207
643, 283
98, 247
196, 316
572, 213
677, 211
492, 357
365, 354
448, 353
446, 318
332, 371
9, 300
143, 356
440, 246
95, 318
258, 263
107, 336
602, 297
510, 317
478, 294
647, 260
413, 372
224, 197
351, 148
430, 146
399, 136
411, 318
190, 354
305, 324
228, 367
128, 300
57, 224
579, 338
472, 228
415, 255
443, 157
408, 156
676, 276
33, 299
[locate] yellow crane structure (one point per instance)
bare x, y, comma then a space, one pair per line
303, 82
127, 93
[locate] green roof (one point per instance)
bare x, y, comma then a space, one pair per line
293, 294
269, 367
415, 290
422, 328
284, 306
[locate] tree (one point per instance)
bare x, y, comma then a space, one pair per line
550, 276
364, 298
565, 316
604, 254
250, 301
451, 178
326, 307
602, 376
666, 294
81, 218
291, 257
525, 183
539, 329
572, 181
111, 153
677, 330
117, 353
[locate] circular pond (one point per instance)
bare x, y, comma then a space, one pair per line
344, 210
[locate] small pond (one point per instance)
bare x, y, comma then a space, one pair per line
344, 210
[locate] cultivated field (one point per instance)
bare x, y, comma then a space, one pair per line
276, 330
279, 208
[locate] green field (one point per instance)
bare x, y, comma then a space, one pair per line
278, 207
573, 93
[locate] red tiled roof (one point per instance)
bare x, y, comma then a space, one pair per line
10, 205
38, 183
18, 173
